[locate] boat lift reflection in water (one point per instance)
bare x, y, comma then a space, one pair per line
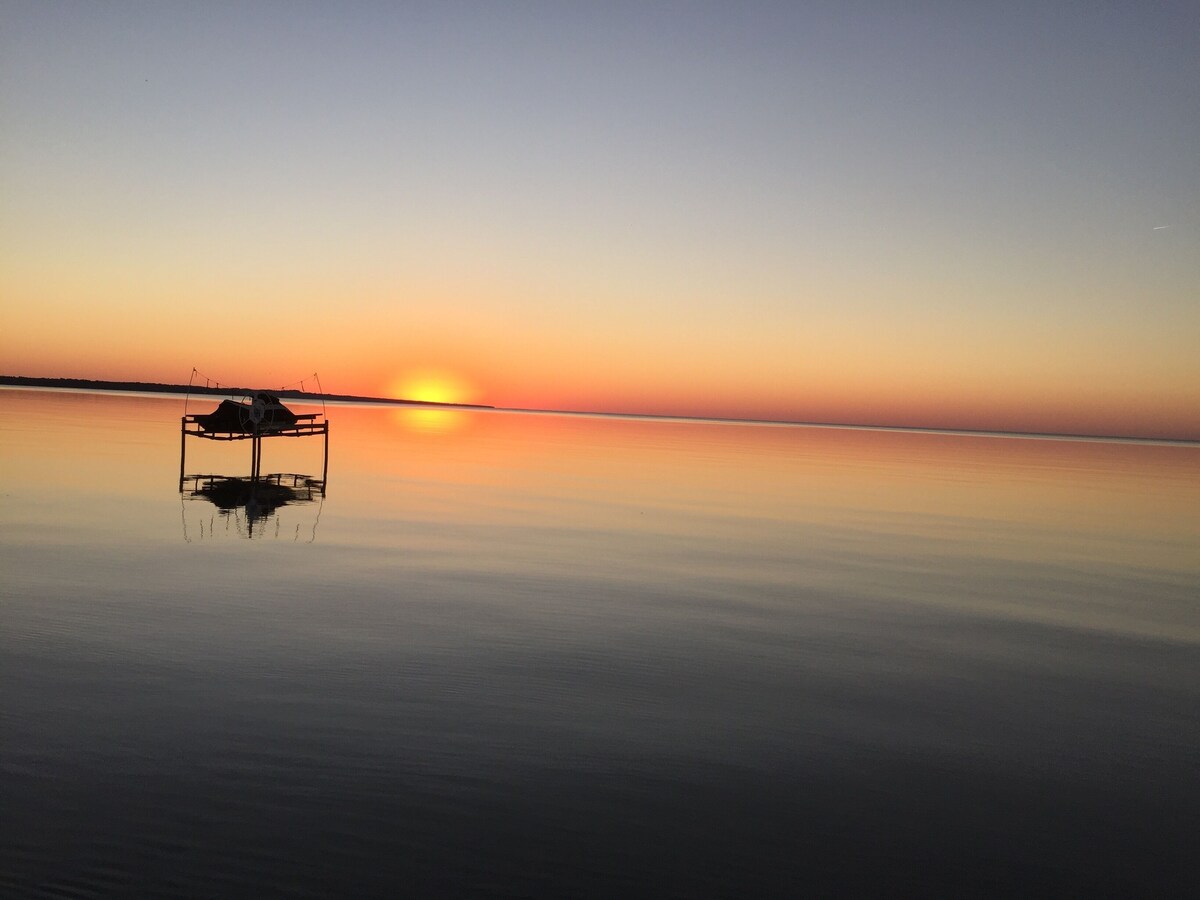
249, 507
250, 503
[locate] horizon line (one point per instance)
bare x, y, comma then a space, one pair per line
94, 384
848, 426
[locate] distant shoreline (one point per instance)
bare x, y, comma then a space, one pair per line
153, 387
150, 387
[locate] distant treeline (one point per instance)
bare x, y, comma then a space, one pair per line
154, 387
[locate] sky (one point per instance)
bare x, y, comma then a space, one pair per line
952, 215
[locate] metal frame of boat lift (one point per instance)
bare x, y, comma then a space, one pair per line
306, 425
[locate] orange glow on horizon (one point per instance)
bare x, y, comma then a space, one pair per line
1148, 403
433, 386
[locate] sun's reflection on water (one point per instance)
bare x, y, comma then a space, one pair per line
430, 420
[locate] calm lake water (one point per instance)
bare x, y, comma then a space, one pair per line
514, 655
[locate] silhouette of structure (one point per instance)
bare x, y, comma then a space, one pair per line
256, 416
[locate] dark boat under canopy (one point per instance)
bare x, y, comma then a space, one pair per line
260, 413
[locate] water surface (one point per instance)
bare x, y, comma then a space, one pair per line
512, 655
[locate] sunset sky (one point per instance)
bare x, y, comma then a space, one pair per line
952, 214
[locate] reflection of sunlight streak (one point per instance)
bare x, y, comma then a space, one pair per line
431, 421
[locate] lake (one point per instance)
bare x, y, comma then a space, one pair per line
510, 654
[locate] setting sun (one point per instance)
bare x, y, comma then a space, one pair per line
430, 386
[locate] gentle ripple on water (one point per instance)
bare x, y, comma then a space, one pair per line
539, 655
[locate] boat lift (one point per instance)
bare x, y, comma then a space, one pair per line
257, 416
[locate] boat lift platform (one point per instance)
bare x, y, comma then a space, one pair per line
254, 421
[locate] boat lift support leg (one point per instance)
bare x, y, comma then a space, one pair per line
182, 449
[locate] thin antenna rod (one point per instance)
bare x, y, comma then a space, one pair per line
188, 395
322, 390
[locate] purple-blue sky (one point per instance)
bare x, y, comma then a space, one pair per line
956, 214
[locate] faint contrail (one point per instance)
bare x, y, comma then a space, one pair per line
1161, 227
